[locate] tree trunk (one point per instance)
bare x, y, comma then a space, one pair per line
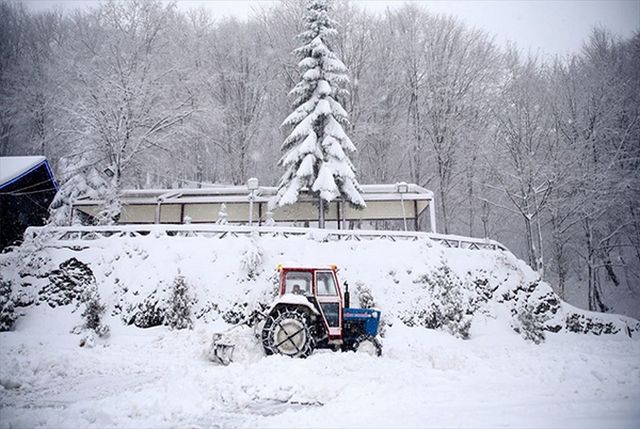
636, 227
470, 196
559, 256
540, 262
531, 245
443, 207
484, 217
414, 114
321, 213
594, 293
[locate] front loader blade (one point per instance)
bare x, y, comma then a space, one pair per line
224, 354
224, 343
221, 351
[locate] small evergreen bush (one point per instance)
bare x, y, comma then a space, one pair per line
364, 296
93, 313
251, 260
179, 309
8, 314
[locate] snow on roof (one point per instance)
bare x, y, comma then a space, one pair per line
12, 167
239, 193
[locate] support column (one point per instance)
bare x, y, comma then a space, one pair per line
321, 214
157, 213
432, 216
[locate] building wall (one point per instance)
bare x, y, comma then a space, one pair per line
25, 202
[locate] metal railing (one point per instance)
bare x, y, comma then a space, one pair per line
80, 236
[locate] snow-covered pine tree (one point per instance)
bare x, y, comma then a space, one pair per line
179, 312
93, 313
222, 215
7, 307
315, 152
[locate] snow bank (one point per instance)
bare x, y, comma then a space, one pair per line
416, 283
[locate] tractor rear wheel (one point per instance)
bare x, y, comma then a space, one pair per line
287, 332
368, 344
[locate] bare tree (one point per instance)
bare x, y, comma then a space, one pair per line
521, 150
122, 105
239, 79
28, 113
409, 26
461, 70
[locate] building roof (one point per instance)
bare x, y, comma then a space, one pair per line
239, 193
13, 168
203, 205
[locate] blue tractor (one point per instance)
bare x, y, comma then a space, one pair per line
310, 313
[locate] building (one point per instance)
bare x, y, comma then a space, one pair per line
27, 187
409, 204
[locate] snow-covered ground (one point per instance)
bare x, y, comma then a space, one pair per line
156, 377
161, 378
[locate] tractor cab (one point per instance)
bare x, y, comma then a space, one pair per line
320, 287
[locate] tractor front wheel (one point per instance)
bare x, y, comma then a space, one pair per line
368, 344
287, 332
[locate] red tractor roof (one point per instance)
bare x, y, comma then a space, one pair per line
296, 268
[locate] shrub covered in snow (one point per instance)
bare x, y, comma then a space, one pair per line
365, 297
585, 324
208, 311
445, 303
251, 260
236, 314
528, 323
93, 314
68, 283
482, 289
176, 306
30, 259
146, 314
179, 308
532, 307
7, 306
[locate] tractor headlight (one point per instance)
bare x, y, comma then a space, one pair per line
374, 314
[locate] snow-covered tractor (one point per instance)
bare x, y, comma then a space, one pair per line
310, 313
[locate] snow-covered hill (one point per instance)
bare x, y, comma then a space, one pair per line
417, 283
490, 372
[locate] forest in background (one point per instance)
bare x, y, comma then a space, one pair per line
542, 155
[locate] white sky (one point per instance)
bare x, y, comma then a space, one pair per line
543, 26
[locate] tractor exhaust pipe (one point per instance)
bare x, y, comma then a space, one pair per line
347, 296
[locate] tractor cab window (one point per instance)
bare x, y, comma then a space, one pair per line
298, 283
325, 284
